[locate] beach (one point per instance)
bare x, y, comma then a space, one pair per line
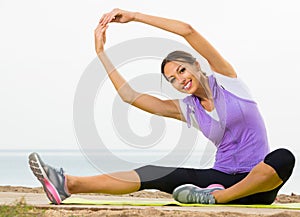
19, 186
35, 197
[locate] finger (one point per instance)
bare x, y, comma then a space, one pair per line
104, 22
99, 29
113, 19
104, 19
112, 16
104, 28
99, 26
101, 19
107, 19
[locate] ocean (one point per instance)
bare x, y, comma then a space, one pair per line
14, 169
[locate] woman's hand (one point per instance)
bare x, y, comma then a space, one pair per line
100, 37
118, 16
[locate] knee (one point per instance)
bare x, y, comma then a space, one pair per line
282, 161
265, 171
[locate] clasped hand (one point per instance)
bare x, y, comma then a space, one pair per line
116, 15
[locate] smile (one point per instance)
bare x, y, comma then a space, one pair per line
188, 85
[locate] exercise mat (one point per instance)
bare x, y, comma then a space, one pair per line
143, 202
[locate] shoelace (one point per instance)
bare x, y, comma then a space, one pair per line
61, 171
200, 197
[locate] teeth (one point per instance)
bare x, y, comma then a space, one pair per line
188, 85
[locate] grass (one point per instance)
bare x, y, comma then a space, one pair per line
20, 209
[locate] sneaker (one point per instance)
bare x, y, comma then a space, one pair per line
53, 180
189, 193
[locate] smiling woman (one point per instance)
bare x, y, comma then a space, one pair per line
244, 172
180, 73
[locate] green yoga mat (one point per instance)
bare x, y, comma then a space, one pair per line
142, 202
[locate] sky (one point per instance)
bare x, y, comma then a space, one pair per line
46, 46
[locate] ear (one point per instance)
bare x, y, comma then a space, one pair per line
197, 65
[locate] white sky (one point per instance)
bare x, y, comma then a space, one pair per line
46, 45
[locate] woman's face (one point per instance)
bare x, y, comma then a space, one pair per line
183, 76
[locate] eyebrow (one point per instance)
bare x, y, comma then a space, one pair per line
177, 69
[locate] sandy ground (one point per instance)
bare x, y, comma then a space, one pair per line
37, 198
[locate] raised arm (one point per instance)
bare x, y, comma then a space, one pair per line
194, 38
148, 103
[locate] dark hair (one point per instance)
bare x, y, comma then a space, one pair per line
178, 55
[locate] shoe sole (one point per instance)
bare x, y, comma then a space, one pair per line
207, 189
39, 172
216, 186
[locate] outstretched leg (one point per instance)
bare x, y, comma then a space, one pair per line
114, 183
59, 186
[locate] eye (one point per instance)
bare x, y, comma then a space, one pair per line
182, 70
171, 80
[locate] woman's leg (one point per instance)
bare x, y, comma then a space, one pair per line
266, 176
262, 178
114, 183
147, 177
168, 178
58, 186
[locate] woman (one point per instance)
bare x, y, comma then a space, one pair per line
219, 105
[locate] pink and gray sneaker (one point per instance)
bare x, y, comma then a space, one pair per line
189, 193
53, 180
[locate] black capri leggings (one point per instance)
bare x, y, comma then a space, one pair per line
168, 178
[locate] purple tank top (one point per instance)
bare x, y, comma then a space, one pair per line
239, 134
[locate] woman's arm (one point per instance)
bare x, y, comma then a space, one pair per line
195, 39
148, 103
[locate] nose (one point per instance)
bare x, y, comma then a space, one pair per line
181, 79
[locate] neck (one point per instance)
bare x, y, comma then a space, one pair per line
204, 92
